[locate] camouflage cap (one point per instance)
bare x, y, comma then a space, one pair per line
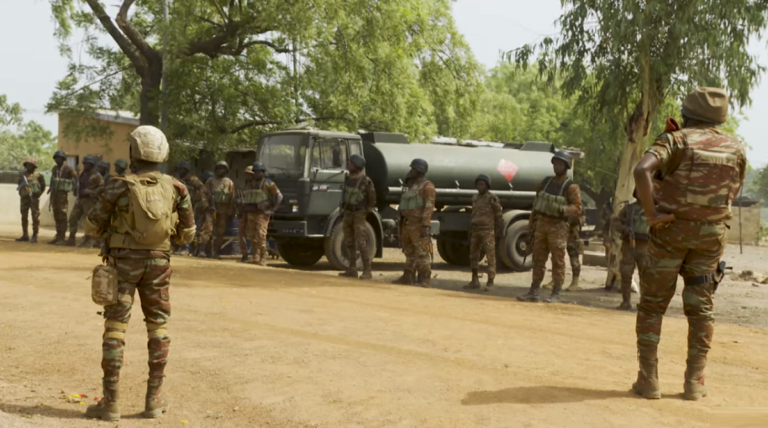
31, 161
707, 105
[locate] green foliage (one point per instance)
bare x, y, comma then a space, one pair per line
20, 140
759, 185
237, 68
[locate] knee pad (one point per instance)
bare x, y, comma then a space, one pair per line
156, 330
115, 329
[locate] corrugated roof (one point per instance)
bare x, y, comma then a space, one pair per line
119, 116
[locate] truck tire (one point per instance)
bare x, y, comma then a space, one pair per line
515, 243
336, 251
456, 253
442, 250
300, 254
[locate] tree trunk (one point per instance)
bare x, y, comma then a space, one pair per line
150, 94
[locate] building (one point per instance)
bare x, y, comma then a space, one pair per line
113, 145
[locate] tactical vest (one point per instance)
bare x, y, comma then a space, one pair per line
34, 185
221, 195
258, 198
707, 179
62, 184
354, 195
550, 201
150, 220
411, 199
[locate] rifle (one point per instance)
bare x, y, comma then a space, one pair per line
720, 274
25, 185
529, 247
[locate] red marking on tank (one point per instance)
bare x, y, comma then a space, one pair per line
507, 169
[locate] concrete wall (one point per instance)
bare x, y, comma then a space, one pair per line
10, 208
750, 220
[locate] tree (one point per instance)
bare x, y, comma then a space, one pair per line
759, 186
235, 68
627, 57
20, 140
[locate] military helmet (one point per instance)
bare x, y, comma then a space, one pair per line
484, 177
357, 161
104, 164
31, 161
222, 163
249, 169
184, 165
563, 156
420, 165
60, 154
207, 175
121, 163
259, 166
89, 159
707, 105
148, 144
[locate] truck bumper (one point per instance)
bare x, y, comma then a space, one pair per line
293, 229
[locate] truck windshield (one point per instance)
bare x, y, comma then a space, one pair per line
284, 155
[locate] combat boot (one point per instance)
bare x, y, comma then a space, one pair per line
71, 242
531, 296
262, 257
647, 385
86, 243
549, 285
475, 283
201, 254
351, 271
405, 279
106, 409
33, 240
56, 239
426, 280
626, 302
694, 388
574, 284
489, 283
366, 270
555, 296
154, 406
244, 258
24, 236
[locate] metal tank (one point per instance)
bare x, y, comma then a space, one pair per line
515, 171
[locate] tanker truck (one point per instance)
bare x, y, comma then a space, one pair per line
309, 167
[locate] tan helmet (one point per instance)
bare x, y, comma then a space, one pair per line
149, 144
249, 169
707, 105
31, 161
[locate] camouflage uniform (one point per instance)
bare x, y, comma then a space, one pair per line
221, 196
634, 248
359, 201
90, 183
486, 221
259, 198
702, 170
30, 201
416, 207
62, 182
197, 195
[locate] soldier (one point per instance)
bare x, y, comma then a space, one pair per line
573, 248
485, 228
557, 200
104, 168
31, 187
197, 194
242, 218
139, 237
120, 167
204, 221
62, 182
359, 200
416, 207
220, 191
701, 170
89, 183
634, 248
261, 198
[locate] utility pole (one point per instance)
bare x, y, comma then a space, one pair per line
164, 81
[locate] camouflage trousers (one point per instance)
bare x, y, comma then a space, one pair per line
418, 257
689, 249
60, 206
27, 205
574, 248
79, 211
253, 227
220, 229
151, 276
482, 242
550, 237
353, 225
631, 258
205, 230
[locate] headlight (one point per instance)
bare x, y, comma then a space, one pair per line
294, 208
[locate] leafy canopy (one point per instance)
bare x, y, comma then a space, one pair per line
20, 140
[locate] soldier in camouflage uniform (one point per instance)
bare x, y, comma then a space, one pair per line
700, 171
141, 255
416, 207
87, 191
359, 200
557, 200
220, 191
31, 187
104, 168
634, 248
197, 195
260, 199
121, 166
63, 180
242, 218
204, 221
485, 228
574, 249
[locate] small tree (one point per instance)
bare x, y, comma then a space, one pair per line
627, 57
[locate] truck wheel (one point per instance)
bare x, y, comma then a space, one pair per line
336, 251
442, 250
302, 254
515, 244
456, 253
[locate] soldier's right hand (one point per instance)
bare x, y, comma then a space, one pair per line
660, 220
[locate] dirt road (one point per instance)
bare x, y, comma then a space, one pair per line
271, 347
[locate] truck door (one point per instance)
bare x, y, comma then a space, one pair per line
328, 165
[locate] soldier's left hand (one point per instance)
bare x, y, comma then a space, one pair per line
660, 220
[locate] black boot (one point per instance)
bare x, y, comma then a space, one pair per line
489, 283
24, 237
34, 238
532, 295
555, 296
474, 284
626, 302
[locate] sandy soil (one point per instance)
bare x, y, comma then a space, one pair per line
273, 347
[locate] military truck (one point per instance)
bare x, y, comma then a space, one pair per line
310, 168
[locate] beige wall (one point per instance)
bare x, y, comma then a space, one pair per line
110, 148
750, 220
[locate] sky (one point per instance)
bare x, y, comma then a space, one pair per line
31, 64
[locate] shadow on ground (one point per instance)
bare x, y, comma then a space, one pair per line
540, 395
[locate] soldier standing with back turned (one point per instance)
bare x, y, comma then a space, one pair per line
31, 187
89, 183
197, 192
220, 191
62, 182
136, 213
701, 170
359, 201
485, 229
557, 200
634, 248
416, 207
261, 197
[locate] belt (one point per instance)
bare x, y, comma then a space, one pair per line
700, 280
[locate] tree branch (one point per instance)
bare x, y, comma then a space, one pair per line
125, 45
131, 32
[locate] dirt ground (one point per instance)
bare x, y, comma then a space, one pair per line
273, 347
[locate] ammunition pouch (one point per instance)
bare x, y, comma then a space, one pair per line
104, 285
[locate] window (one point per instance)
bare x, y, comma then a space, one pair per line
329, 154
283, 155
